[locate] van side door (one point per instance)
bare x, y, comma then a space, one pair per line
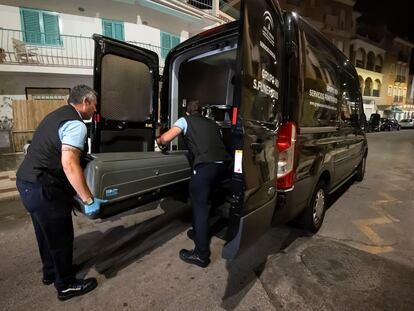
126, 80
255, 120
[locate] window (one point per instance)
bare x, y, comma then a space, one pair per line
350, 102
168, 41
320, 107
113, 29
40, 27
389, 90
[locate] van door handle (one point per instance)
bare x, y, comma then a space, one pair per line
257, 146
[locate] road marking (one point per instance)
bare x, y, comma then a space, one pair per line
393, 185
365, 226
373, 249
379, 207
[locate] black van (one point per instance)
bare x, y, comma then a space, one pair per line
286, 99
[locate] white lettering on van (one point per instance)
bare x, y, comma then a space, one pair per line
265, 89
270, 78
321, 105
268, 50
323, 96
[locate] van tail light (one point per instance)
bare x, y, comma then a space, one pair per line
286, 145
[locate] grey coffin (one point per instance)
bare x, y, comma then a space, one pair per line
118, 176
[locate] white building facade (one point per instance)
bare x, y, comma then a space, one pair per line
46, 46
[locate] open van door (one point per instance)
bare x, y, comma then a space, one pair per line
126, 79
255, 120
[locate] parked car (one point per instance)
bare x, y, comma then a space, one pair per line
286, 99
374, 122
389, 125
407, 123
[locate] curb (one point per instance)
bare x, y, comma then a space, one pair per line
12, 197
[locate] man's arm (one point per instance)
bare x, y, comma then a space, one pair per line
169, 135
73, 170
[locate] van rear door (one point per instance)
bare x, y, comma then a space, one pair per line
126, 79
256, 107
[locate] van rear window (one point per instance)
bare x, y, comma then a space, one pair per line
126, 89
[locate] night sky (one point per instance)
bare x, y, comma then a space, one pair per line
396, 14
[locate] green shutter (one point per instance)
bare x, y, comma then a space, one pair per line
31, 25
113, 29
119, 31
107, 28
165, 44
51, 28
175, 41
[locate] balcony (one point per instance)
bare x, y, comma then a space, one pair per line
398, 99
60, 51
400, 79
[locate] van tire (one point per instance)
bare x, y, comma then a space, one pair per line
315, 211
360, 171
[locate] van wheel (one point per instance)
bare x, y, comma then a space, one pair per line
315, 211
360, 172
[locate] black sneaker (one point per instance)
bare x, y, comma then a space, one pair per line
77, 288
192, 257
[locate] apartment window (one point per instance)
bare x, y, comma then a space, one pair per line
113, 29
40, 27
389, 90
168, 41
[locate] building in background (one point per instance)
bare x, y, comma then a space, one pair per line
334, 18
396, 77
46, 46
368, 59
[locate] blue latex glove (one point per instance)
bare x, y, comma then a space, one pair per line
94, 207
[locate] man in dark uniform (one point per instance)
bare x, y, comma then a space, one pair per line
203, 139
48, 178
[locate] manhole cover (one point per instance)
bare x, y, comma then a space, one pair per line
342, 266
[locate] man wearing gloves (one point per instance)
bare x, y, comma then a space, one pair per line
48, 178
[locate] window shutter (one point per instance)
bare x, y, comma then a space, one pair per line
31, 24
165, 44
51, 28
119, 31
175, 41
107, 28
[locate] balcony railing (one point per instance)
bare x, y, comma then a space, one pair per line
64, 51
400, 79
398, 99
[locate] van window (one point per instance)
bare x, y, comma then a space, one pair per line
350, 102
320, 101
125, 81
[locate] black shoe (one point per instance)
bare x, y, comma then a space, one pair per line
193, 258
191, 234
77, 288
46, 281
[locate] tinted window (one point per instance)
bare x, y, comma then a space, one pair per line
126, 89
320, 100
350, 101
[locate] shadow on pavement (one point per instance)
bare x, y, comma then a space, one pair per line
118, 247
246, 269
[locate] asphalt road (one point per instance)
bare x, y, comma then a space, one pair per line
361, 259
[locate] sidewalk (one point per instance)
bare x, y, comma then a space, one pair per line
8, 189
8, 166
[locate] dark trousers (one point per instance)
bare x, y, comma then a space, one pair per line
50, 208
205, 178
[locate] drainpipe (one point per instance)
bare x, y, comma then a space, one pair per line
215, 8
